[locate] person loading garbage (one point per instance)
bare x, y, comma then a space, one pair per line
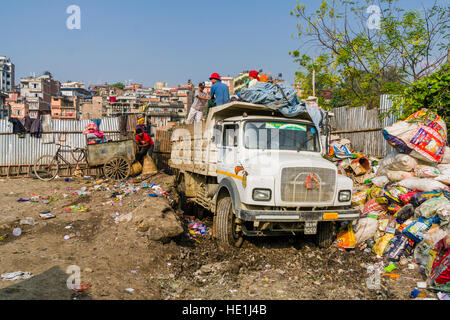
254, 78
145, 144
220, 93
196, 111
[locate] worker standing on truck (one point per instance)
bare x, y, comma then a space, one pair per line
220, 93
254, 78
145, 144
196, 112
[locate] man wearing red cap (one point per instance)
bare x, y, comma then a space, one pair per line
254, 78
219, 91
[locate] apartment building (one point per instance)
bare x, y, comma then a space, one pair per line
65, 108
7, 74
38, 92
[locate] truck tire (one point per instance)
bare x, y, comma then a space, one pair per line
325, 234
225, 224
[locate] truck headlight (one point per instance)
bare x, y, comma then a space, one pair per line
262, 194
344, 195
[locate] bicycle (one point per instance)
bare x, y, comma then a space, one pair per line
46, 167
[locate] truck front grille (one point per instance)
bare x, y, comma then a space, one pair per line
307, 185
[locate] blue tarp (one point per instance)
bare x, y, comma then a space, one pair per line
271, 96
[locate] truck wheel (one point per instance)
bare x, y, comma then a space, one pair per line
226, 225
325, 234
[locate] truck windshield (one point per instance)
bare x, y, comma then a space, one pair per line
281, 136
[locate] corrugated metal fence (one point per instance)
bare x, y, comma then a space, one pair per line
17, 152
363, 127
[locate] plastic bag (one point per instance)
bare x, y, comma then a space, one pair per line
373, 208
426, 171
359, 198
385, 222
392, 193
380, 181
428, 208
443, 179
444, 212
416, 231
422, 135
444, 169
373, 193
346, 237
405, 213
397, 162
398, 175
438, 266
422, 184
446, 158
406, 198
366, 228
421, 197
398, 246
381, 244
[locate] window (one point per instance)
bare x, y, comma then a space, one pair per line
281, 136
230, 135
217, 134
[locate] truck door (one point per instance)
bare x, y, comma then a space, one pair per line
229, 148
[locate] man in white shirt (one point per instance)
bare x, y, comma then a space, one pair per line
198, 105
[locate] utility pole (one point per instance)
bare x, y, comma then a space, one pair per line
314, 82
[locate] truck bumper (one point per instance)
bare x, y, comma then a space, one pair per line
298, 216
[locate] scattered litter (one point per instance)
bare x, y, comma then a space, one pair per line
129, 290
422, 285
17, 232
47, 215
18, 275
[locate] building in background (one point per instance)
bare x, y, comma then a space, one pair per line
91, 108
7, 74
38, 92
65, 108
19, 109
160, 85
73, 84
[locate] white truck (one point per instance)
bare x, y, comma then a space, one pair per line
260, 174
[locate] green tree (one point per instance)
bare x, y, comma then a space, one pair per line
431, 92
360, 63
119, 85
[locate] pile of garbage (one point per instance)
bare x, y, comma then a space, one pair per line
359, 167
405, 207
195, 228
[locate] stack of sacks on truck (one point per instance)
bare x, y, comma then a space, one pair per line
405, 210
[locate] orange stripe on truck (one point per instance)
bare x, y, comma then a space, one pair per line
230, 174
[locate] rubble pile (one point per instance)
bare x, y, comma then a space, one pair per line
403, 200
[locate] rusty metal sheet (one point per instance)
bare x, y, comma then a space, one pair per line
99, 154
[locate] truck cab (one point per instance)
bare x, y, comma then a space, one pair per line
269, 177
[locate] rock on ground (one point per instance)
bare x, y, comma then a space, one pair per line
157, 219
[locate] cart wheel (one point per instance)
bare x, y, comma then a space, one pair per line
46, 168
117, 169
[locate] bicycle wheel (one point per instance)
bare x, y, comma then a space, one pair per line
46, 168
79, 155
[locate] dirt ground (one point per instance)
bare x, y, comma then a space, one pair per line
112, 258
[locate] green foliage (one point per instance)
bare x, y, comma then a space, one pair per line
359, 64
431, 92
119, 85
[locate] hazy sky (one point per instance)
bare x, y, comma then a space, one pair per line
151, 40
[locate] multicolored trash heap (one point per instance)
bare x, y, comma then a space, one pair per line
405, 206
196, 229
